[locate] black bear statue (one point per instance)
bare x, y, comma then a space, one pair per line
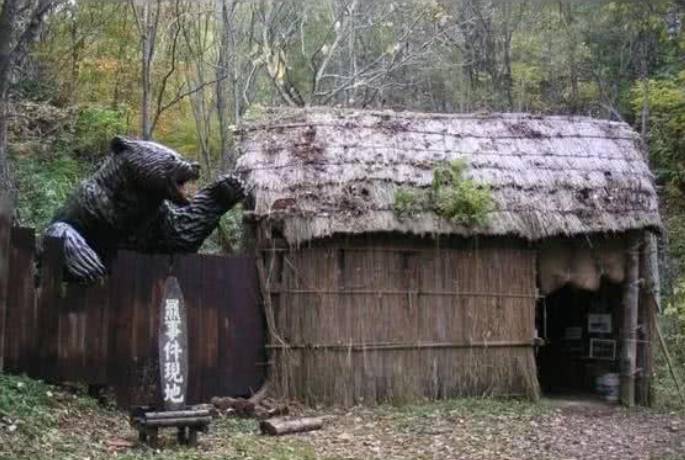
136, 200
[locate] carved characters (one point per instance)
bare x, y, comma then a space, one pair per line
136, 200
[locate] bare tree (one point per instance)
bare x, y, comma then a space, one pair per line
355, 52
236, 70
147, 22
20, 23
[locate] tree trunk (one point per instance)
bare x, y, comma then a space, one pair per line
224, 12
146, 61
7, 18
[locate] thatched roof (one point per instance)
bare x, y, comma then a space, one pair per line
319, 172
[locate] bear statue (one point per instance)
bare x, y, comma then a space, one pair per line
136, 200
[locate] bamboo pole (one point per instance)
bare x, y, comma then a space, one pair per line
401, 346
629, 330
402, 292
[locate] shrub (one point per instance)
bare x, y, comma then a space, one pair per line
458, 199
44, 184
408, 202
94, 129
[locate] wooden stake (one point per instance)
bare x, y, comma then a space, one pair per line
629, 330
280, 425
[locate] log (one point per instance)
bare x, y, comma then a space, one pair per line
282, 425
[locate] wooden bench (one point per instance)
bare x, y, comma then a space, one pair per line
189, 422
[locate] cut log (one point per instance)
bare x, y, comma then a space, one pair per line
281, 425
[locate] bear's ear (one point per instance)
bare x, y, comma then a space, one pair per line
119, 144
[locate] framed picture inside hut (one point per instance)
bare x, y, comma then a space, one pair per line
599, 323
603, 349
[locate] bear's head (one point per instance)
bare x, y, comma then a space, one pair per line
154, 168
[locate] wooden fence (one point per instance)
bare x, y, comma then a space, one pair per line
106, 333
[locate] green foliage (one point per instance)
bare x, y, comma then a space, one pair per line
31, 414
26, 399
44, 184
673, 326
458, 199
452, 196
666, 102
35, 90
408, 202
94, 129
228, 237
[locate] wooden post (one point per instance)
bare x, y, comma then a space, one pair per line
5, 228
629, 330
649, 305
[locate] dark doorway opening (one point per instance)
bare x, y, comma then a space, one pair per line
580, 332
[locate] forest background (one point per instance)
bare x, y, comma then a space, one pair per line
187, 73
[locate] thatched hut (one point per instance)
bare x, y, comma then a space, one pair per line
365, 303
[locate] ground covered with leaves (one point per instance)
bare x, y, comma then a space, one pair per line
38, 421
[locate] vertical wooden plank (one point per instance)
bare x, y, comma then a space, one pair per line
121, 317
93, 342
19, 329
211, 287
5, 229
71, 298
49, 300
241, 338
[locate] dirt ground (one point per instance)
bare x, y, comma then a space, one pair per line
560, 430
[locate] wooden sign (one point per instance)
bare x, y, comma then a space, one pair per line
173, 346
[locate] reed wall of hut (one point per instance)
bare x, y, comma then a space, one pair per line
394, 319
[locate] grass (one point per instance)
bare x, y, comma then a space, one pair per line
41, 422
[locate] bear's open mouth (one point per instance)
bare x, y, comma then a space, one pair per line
180, 192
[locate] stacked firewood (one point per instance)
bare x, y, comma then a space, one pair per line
250, 407
274, 415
